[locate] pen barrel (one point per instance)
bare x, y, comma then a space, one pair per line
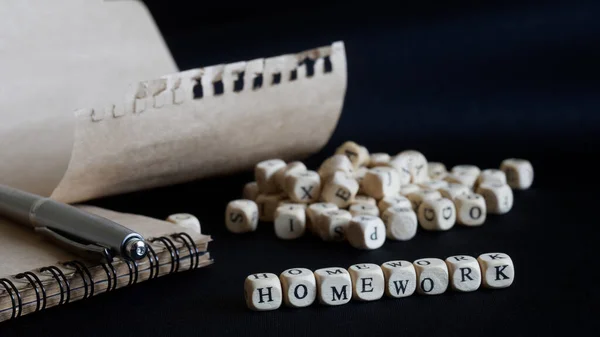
16, 204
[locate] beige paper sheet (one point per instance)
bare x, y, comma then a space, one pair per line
55, 57
23, 250
160, 134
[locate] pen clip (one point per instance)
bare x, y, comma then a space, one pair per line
88, 251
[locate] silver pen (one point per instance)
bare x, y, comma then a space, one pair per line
83, 233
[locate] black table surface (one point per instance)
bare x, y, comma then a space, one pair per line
462, 84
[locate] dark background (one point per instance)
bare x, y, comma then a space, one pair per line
462, 83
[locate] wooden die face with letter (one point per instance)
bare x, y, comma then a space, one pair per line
497, 270
432, 276
367, 280
465, 274
263, 291
299, 287
334, 285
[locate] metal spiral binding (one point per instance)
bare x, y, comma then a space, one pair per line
82, 270
191, 246
57, 274
17, 304
112, 283
172, 250
133, 272
35, 282
154, 263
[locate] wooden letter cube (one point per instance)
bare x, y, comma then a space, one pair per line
267, 205
262, 291
241, 216
497, 270
368, 282
432, 276
492, 176
336, 163
186, 220
462, 177
312, 214
436, 171
303, 186
299, 287
250, 191
433, 184
400, 278
465, 274
293, 167
393, 201
498, 197
381, 182
453, 190
358, 209
469, 169
334, 286
379, 159
519, 173
332, 224
400, 223
364, 199
366, 232
340, 189
412, 163
437, 214
416, 198
264, 174
359, 176
470, 209
409, 188
358, 155
290, 221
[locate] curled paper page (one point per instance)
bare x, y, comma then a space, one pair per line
207, 121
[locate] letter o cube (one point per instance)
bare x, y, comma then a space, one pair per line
465, 274
367, 281
366, 232
437, 215
241, 216
262, 291
334, 286
470, 209
497, 270
299, 287
432, 276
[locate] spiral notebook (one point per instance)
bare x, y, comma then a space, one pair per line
36, 275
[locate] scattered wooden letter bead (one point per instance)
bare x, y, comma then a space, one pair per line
379, 159
436, 171
367, 209
336, 163
437, 214
267, 205
262, 291
290, 221
498, 197
462, 177
264, 173
186, 220
303, 186
358, 155
432, 276
433, 184
364, 199
400, 223
465, 274
381, 182
400, 278
453, 190
340, 189
470, 169
241, 216
491, 176
416, 198
332, 224
470, 209
312, 214
519, 173
393, 201
359, 176
412, 162
409, 188
293, 167
367, 281
366, 232
250, 191
497, 270
299, 287
333, 286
